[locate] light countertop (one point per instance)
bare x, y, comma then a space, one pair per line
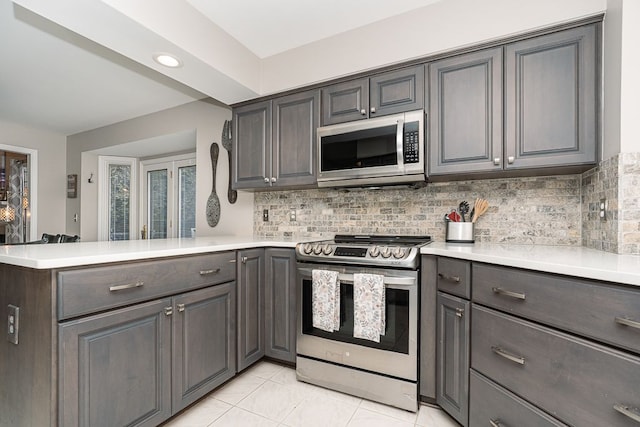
573, 261
568, 260
58, 255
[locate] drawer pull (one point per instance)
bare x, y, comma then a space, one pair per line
509, 356
511, 294
207, 272
632, 413
496, 423
628, 322
455, 279
115, 288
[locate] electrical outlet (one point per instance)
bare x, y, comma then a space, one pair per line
292, 215
12, 324
604, 207
265, 215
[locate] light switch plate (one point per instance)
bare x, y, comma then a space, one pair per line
13, 322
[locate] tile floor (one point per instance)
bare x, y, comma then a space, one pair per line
268, 394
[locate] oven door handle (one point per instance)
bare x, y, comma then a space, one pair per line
348, 278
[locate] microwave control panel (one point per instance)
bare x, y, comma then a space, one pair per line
411, 143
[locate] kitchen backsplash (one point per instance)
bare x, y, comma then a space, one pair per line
557, 210
538, 210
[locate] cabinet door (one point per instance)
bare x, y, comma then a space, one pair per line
465, 108
453, 356
551, 99
345, 102
115, 368
397, 91
250, 307
296, 118
203, 342
280, 307
252, 146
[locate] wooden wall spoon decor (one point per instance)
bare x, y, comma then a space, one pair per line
213, 203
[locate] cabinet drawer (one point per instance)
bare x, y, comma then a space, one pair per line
609, 313
491, 403
575, 380
89, 290
454, 277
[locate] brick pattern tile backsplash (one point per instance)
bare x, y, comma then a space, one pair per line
552, 210
538, 210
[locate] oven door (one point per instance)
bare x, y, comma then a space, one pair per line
396, 353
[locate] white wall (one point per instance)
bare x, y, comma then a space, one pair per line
207, 118
52, 174
432, 29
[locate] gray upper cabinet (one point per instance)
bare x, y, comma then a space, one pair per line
551, 99
382, 94
252, 146
250, 307
274, 142
280, 304
465, 113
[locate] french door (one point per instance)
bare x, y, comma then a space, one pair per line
168, 197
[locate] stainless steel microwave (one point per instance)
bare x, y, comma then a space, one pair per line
386, 150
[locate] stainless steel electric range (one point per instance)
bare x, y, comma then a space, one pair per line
384, 371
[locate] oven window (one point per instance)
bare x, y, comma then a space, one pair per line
396, 337
360, 149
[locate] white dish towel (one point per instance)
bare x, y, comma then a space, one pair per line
325, 300
368, 306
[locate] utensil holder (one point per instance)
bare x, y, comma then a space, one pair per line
460, 232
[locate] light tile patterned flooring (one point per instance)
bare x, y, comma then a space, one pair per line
268, 394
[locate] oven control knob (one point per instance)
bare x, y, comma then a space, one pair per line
327, 250
374, 252
385, 252
307, 248
399, 253
317, 249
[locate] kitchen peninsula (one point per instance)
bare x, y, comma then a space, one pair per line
81, 303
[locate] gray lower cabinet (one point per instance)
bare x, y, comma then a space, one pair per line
274, 142
453, 333
280, 304
251, 344
465, 113
141, 364
381, 94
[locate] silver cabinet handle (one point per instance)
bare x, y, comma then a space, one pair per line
244, 259
273, 179
632, 413
137, 284
363, 112
373, 109
233, 261
459, 312
628, 322
180, 308
496, 423
496, 161
510, 159
207, 272
455, 279
511, 294
266, 180
509, 356
168, 311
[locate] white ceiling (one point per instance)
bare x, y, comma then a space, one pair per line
55, 79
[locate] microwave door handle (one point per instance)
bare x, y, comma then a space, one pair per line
399, 146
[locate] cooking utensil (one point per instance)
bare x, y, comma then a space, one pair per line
232, 194
213, 203
480, 207
463, 208
454, 216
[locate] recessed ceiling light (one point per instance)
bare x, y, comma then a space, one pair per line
167, 60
